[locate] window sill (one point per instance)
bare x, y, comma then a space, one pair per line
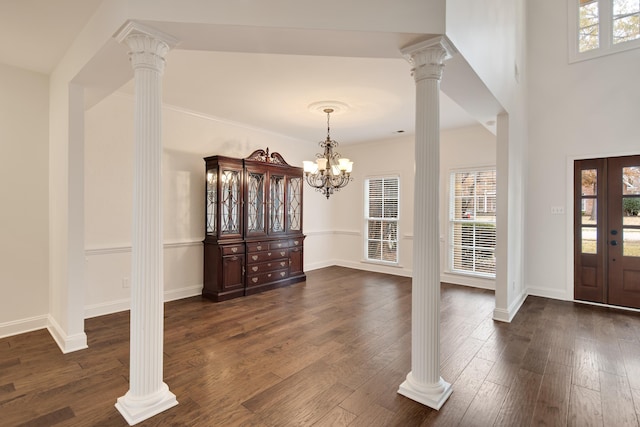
576, 56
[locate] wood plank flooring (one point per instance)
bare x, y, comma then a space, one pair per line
332, 351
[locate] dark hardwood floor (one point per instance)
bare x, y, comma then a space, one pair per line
332, 351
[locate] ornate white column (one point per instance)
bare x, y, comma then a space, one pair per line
423, 383
148, 395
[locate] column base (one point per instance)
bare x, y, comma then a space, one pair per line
137, 409
432, 396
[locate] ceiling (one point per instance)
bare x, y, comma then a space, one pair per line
268, 91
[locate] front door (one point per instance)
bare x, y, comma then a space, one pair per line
607, 230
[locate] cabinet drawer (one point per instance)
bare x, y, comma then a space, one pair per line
279, 244
257, 246
267, 256
232, 249
294, 243
262, 278
264, 267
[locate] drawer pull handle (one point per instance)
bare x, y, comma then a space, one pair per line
282, 253
234, 250
283, 263
269, 275
296, 242
282, 273
254, 280
259, 248
268, 253
254, 257
269, 264
254, 268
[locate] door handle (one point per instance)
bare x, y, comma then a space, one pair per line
614, 243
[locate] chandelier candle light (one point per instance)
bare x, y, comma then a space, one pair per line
329, 172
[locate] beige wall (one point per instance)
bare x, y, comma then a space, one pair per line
24, 187
108, 196
587, 109
460, 148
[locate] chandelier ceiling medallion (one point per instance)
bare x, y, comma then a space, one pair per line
329, 172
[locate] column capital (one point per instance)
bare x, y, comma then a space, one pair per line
147, 46
427, 57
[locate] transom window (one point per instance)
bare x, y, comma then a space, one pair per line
382, 199
600, 27
472, 222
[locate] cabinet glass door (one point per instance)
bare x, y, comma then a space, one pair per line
211, 200
277, 202
230, 199
295, 204
255, 202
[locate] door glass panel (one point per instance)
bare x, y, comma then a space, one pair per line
589, 211
276, 216
212, 186
230, 202
589, 240
631, 242
295, 190
589, 182
255, 201
630, 211
631, 180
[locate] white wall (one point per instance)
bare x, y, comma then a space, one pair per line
24, 188
389, 157
491, 35
583, 110
460, 148
108, 197
334, 227
464, 148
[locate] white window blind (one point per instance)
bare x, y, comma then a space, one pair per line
382, 199
472, 222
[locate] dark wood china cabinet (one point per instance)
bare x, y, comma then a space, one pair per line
253, 218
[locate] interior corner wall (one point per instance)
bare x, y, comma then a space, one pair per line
24, 157
582, 110
488, 34
108, 197
469, 147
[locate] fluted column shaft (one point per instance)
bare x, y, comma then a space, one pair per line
148, 394
424, 383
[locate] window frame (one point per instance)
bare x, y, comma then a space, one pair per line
605, 33
368, 218
452, 221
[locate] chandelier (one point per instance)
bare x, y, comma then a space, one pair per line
329, 172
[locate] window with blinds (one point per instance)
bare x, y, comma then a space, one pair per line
382, 199
472, 222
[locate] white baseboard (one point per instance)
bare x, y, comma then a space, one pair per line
374, 267
176, 294
318, 265
95, 310
507, 315
67, 343
111, 307
464, 280
549, 293
22, 326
